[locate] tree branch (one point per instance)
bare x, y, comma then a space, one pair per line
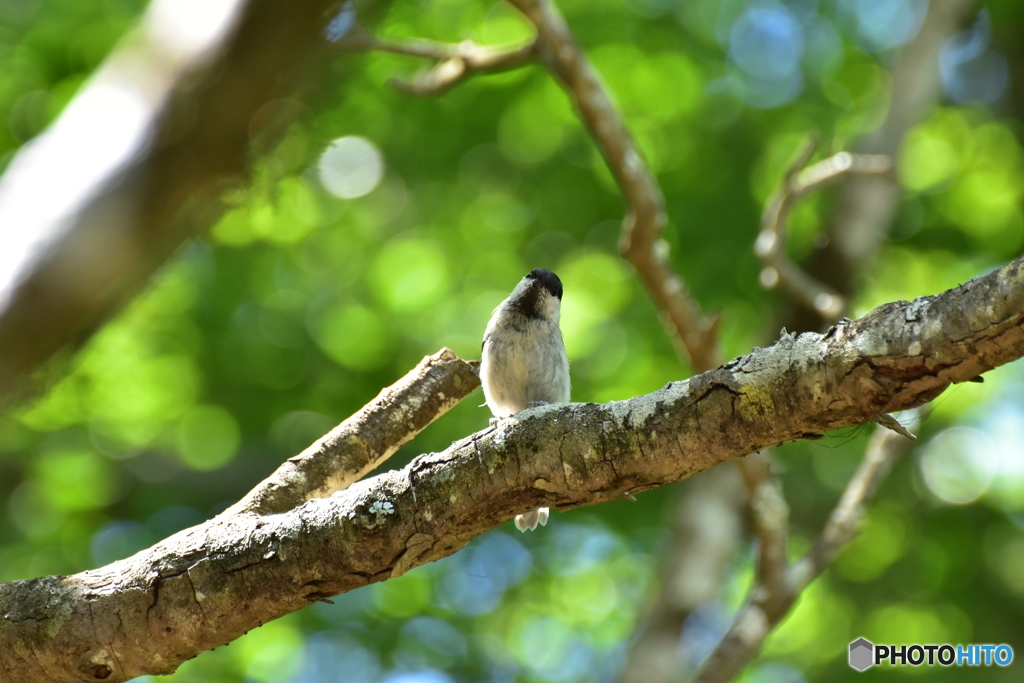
779, 270
707, 523
195, 590
361, 443
770, 517
455, 63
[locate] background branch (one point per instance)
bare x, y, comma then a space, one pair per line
707, 521
79, 244
770, 247
867, 203
764, 610
769, 514
455, 62
642, 226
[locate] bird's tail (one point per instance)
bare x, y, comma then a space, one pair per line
529, 520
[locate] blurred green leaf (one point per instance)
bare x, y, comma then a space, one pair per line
208, 437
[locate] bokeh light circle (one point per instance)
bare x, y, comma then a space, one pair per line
959, 464
351, 167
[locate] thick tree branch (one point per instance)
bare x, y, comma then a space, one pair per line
358, 445
207, 585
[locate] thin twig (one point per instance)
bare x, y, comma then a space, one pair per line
455, 61
770, 246
641, 243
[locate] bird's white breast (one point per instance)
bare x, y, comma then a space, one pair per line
523, 368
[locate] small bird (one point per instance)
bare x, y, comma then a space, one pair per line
524, 362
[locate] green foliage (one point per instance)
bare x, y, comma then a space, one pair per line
300, 306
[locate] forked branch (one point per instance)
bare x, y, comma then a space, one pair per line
779, 270
455, 62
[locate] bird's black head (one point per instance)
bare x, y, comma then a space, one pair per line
547, 280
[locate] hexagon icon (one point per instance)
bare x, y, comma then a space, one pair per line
861, 654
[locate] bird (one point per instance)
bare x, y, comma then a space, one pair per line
523, 361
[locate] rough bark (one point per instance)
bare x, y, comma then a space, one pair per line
207, 585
